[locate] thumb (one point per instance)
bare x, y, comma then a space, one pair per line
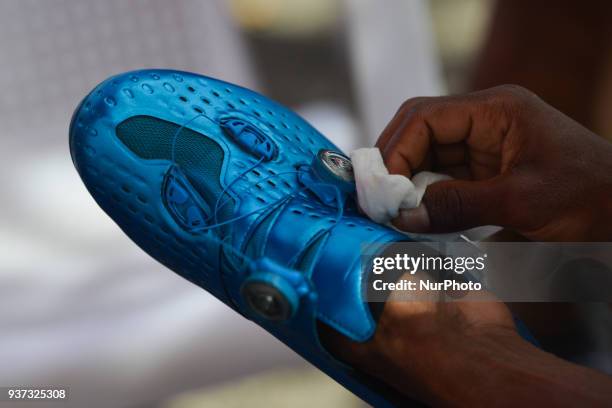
456, 205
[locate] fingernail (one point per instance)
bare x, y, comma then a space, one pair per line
413, 220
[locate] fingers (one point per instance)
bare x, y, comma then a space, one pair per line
457, 205
396, 122
426, 121
463, 136
446, 128
450, 155
346, 350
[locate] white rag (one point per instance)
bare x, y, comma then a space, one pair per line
381, 195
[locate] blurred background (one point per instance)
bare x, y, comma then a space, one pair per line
82, 307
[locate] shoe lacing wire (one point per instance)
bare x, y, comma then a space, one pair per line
277, 203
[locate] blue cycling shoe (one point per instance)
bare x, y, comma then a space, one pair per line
238, 195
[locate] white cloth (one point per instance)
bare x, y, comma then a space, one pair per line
381, 195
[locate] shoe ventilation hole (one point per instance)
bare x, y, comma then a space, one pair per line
298, 212
304, 143
350, 224
148, 218
147, 88
270, 182
141, 198
255, 172
261, 200
126, 189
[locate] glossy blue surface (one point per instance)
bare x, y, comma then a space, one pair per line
275, 219
260, 217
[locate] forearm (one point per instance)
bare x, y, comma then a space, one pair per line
511, 372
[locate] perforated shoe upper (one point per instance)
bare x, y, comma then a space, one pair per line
209, 177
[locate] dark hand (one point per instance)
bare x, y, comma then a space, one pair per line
520, 164
466, 354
